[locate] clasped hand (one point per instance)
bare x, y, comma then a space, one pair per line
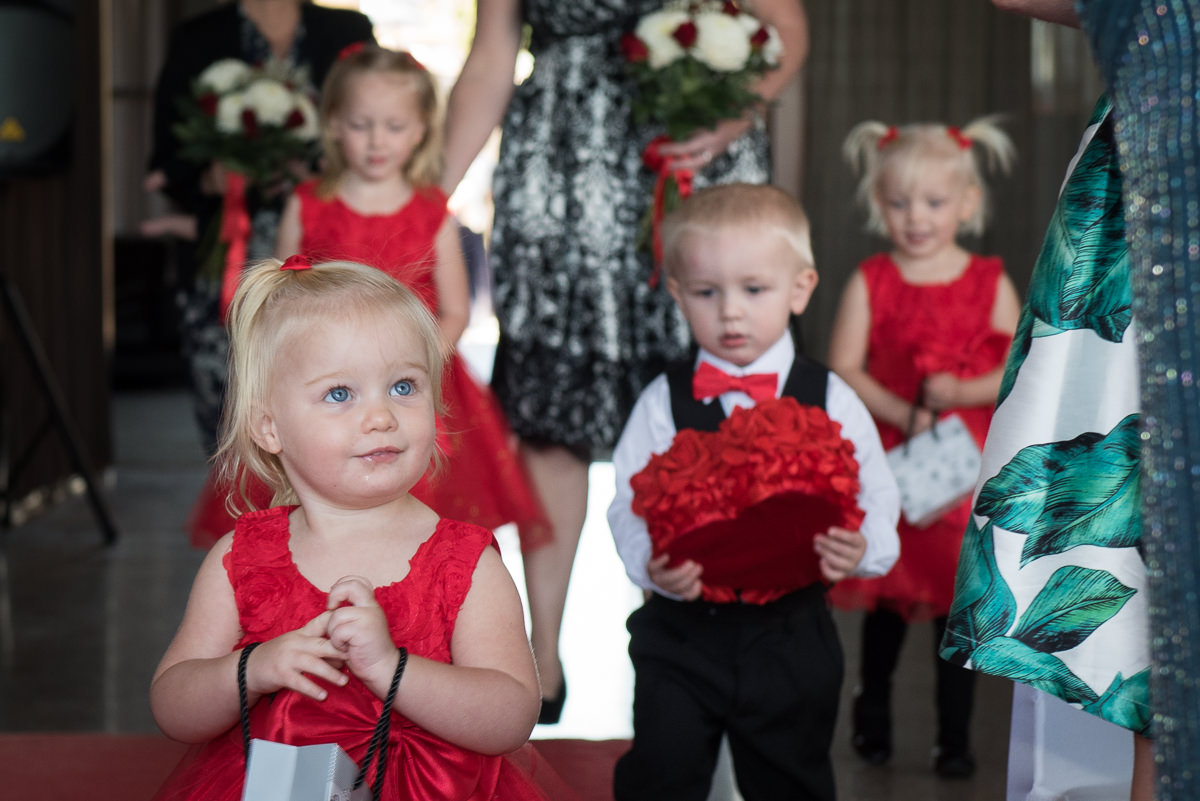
352, 632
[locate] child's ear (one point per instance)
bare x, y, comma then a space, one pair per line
802, 288
674, 290
262, 430
971, 200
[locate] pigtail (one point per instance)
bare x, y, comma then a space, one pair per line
996, 145
861, 147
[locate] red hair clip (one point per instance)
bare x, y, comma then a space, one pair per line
297, 262
351, 49
889, 136
958, 136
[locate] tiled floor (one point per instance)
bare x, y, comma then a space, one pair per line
83, 625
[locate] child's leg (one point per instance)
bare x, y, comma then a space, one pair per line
790, 680
683, 679
955, 701
883, 634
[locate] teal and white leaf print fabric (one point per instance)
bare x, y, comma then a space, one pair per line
1050, 589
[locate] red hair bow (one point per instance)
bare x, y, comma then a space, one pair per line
889, 136
297, 262
351, 49
959, 137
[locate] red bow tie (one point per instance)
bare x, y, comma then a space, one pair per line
710, 381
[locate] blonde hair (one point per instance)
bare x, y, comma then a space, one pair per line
738, 205
273, 305
424, 167
873, 148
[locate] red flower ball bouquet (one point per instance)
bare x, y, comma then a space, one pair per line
745, 501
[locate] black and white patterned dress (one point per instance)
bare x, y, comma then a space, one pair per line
581, 329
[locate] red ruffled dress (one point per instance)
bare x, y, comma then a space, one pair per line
273, 597
916, 330
483, 479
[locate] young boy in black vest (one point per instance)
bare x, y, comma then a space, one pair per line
762, 666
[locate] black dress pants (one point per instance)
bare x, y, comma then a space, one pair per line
768, 676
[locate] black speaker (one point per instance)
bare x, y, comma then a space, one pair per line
37, 86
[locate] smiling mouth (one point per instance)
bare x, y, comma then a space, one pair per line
381, 455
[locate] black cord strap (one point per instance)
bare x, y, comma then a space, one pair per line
244, 704
379, 739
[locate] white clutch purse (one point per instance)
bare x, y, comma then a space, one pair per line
935, 470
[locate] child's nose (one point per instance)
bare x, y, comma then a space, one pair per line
379, 416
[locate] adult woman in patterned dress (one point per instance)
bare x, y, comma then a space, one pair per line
581, 328
308, 38
1040, 542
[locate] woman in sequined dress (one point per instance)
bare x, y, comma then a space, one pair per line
581, 328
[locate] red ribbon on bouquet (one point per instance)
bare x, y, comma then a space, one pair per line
663, 167
235, 232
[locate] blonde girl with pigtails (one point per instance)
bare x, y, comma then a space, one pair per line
921, 333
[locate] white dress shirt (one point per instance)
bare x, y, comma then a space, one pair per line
651, 430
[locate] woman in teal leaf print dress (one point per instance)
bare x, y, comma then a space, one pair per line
1051, 582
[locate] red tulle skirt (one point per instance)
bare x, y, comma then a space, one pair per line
482, 481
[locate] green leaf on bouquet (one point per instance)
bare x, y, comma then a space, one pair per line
984, 607
687, 95
1074, 603
1013, 659
1082, 491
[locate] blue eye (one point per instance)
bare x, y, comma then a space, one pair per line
337, 395
754, 289
403, 388
704, 293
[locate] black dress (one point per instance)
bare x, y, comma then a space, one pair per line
581, 329
194, 45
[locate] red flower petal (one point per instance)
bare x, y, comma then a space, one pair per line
685, 34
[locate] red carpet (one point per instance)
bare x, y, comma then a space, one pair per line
110, 767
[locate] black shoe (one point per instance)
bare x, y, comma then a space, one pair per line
552, 708
872, 739
953, 764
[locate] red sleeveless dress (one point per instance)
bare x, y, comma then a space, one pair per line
483, 480
273, 597
916, 330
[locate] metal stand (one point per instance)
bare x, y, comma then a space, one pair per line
15, 310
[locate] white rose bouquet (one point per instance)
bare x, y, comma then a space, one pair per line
694, 62
253, 120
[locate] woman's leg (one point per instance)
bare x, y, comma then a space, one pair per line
560, 478
1142, 787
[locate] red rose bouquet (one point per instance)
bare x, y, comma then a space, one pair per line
254, 121
746, 500
693, 63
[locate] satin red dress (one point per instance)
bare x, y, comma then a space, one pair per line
917, 330
483, 480
273, 597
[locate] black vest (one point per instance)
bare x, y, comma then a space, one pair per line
807, 382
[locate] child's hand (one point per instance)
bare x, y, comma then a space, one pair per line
289, 660
359, 629
683, 580
840, 550
942, 391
